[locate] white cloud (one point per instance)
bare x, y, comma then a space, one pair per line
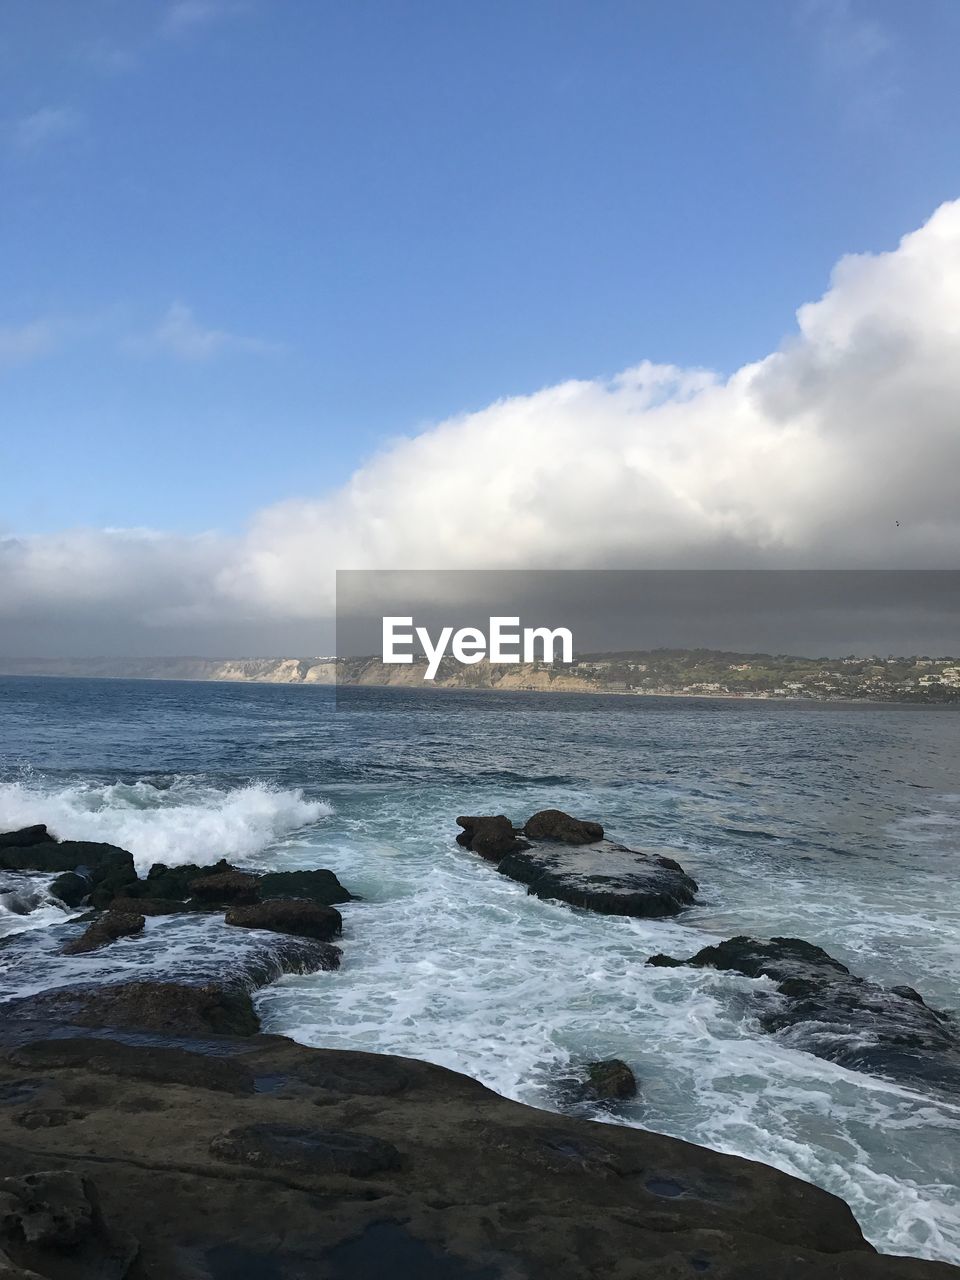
808, 457
179, 334
45, 127
21, 343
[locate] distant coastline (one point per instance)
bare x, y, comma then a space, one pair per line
672, 673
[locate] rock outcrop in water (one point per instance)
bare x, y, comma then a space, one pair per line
554, 824
106, 876
822, 1007
289, 915
579, 867
130, 1154
102, 868
492, 837
105, 929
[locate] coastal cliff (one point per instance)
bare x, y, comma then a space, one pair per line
658, 672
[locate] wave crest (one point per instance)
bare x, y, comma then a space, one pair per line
174, 821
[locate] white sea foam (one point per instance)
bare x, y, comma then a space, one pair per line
175, 821
25, 904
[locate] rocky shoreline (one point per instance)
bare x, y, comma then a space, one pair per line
149, 1129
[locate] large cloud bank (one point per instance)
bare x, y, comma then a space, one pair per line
809, 457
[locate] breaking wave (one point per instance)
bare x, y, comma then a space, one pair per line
172, 820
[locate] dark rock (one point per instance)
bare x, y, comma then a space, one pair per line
356, 1074
70, 888
611, 1080
554, 824
492, 837
226, 886
106, 929
440, 1180
158, 1064
47, 1216
307, 1150
824, 1009
608, 878
49, 1118
166, 884
147, 906
314, 886
169, 1007
289, 915
25, 837
605, 1082
101, 863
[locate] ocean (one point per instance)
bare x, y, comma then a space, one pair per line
839, 824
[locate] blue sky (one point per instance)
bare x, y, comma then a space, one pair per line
243, 244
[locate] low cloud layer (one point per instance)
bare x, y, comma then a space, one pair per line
840, 449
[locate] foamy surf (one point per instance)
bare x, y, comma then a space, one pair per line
179, 820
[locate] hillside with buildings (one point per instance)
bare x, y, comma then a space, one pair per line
664, 672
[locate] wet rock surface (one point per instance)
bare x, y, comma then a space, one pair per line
604, 1083
24, 837
225, 886
492, 837
289, 915
105, 876
307, 1150
313, 886
171, 1008
604, 877
172, 1167
104, 930
101, 865
821, 1007
554, 824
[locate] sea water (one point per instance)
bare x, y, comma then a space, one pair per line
836, 823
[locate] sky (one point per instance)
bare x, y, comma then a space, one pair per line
292, 286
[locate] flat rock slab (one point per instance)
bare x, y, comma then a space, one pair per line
159, 1064
417, 1173
307, 1150
604, 877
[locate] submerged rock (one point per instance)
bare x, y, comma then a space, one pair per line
823, 1008
492, 837
289, 915
554, 824
606, 1081
107, 928
611, 1079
